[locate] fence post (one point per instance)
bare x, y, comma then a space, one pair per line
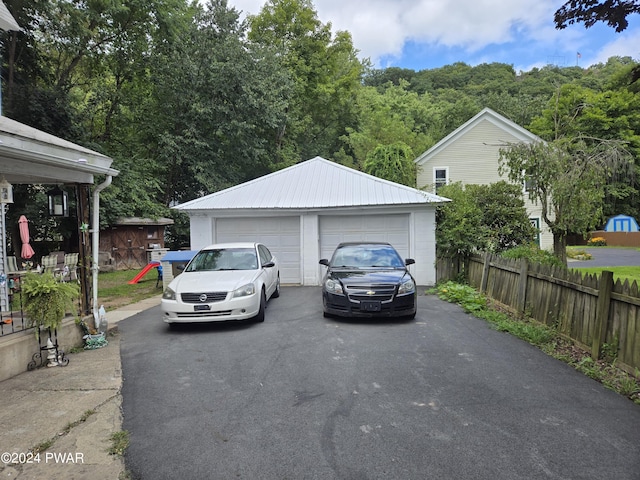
485, 272
522, 285
465, 266
602, 313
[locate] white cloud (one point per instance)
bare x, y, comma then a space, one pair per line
625, 45
509, 31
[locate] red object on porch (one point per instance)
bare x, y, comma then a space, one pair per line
27, 251
143, 272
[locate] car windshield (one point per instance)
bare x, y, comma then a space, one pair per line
224, 259
366, 256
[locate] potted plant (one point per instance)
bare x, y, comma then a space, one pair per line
46, 300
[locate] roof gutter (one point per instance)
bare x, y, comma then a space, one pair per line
95, 245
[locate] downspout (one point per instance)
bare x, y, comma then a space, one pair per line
95, 245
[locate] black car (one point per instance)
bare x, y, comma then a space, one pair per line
367, 280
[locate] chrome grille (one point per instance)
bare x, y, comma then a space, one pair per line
380, 293
210, 297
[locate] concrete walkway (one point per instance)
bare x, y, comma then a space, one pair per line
70, 413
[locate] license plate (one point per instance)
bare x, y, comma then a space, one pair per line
199, 308
370, 306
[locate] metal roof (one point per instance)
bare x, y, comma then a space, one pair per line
28, 155
313, 184
137, 221
7, 22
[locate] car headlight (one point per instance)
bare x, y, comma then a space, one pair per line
407, 287
333, 286
169, 294
245, 290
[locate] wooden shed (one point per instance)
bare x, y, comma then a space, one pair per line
133, 242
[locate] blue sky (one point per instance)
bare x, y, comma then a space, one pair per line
426, 34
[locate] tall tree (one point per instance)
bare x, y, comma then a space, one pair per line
567, 178
326, 74
611, 114
67, 49
393, 115
392, 162
217, 103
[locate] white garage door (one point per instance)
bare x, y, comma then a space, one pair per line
281, 235
372, 228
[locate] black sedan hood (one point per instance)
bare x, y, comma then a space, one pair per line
369, 276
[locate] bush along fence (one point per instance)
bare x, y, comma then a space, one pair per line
590, 310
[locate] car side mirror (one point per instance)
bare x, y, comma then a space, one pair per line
409, 261
324, 262
268, 264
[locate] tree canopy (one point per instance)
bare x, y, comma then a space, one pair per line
589, 12
188, 99
567, 178
392, 162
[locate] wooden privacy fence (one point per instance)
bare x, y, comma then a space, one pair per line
590, 310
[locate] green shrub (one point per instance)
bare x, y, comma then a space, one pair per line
533, 254
465, 296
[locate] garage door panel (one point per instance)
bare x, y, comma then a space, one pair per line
370, 228
280, 234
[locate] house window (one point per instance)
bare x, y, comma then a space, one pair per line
440, 177
529, 184
152, 232
535, 222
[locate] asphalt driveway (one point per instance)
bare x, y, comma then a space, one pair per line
303, 397
609, 257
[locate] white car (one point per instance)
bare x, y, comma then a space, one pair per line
230, 281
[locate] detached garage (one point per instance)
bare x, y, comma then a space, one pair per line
302, 212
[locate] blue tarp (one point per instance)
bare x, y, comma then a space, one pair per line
179, 256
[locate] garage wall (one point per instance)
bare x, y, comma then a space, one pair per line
301, 239
200, 231
280, 234
423, 241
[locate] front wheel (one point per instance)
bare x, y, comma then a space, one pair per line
263, 303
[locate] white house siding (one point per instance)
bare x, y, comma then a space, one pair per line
472, 157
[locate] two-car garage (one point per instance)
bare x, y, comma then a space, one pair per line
302, 212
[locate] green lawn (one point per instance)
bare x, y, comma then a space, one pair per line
623, 273
114, 290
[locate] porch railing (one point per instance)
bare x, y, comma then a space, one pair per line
14, 320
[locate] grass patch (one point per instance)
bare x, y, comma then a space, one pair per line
119, 443
114, 290
544, 337
619, 273
49, 443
